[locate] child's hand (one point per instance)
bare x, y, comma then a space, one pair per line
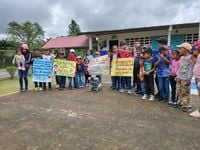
161, 55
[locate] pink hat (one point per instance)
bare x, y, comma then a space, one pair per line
24, 46
197, 44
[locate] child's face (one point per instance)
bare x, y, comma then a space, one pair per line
37, 52
164, 52
175, 55
88, 52
46, 52
138, 52
79, 60
141, 62
114, 50
86, 61
19, 52
147, 55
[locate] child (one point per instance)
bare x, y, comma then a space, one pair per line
184, 76
136, 70
126, 81
115, 79
196, 73
71, 57
86, 72
173, 70
141, 75
162, 64
79, 72
148, 75
46, 55
36, 56
19, 60
61, 79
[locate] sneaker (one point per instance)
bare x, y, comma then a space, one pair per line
170, 103
187, 109
144, 97
36, 89
129, 92
57, 86
151, 98
121, 91
195, 114
40, 89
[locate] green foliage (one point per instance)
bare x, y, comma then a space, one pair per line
11, 70
27, 32
74, 28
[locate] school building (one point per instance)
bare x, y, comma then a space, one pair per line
176, 34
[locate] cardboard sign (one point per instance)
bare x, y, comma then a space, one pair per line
122, 67
42, 70
64, 68
99, 65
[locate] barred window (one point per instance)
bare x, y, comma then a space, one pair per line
191, 38
143, 41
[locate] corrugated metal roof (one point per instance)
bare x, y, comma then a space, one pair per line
80, 41
139, 29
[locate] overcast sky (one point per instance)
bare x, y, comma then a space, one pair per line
93, 15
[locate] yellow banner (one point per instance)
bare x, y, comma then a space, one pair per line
64, 68
122, 67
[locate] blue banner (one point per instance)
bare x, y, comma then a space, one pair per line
42, 70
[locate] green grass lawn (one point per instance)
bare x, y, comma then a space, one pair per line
2, 69
10, 86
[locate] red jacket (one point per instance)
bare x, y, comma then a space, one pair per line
71, 58
123, 54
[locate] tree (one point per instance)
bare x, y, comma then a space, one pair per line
74, 28
27, 32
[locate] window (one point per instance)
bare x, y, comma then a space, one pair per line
191, 38
143, 41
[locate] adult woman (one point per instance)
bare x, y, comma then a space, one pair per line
24, 73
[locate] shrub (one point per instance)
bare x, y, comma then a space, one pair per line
11, 70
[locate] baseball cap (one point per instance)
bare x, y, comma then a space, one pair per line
72, 51
24, 46
185, 45
162, 40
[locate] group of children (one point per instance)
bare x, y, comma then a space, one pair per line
153, 75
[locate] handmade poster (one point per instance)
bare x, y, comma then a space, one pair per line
122, 67
64, 68
99, 66
42, 70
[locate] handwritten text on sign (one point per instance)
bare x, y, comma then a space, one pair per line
42, 70
99, 66
122, 67
64, 68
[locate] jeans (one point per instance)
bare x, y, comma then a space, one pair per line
126, 82
142, 85
61, 81
149, 84
22, 74
116, 82
163, 83
79, 79
174, 97
72, 79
